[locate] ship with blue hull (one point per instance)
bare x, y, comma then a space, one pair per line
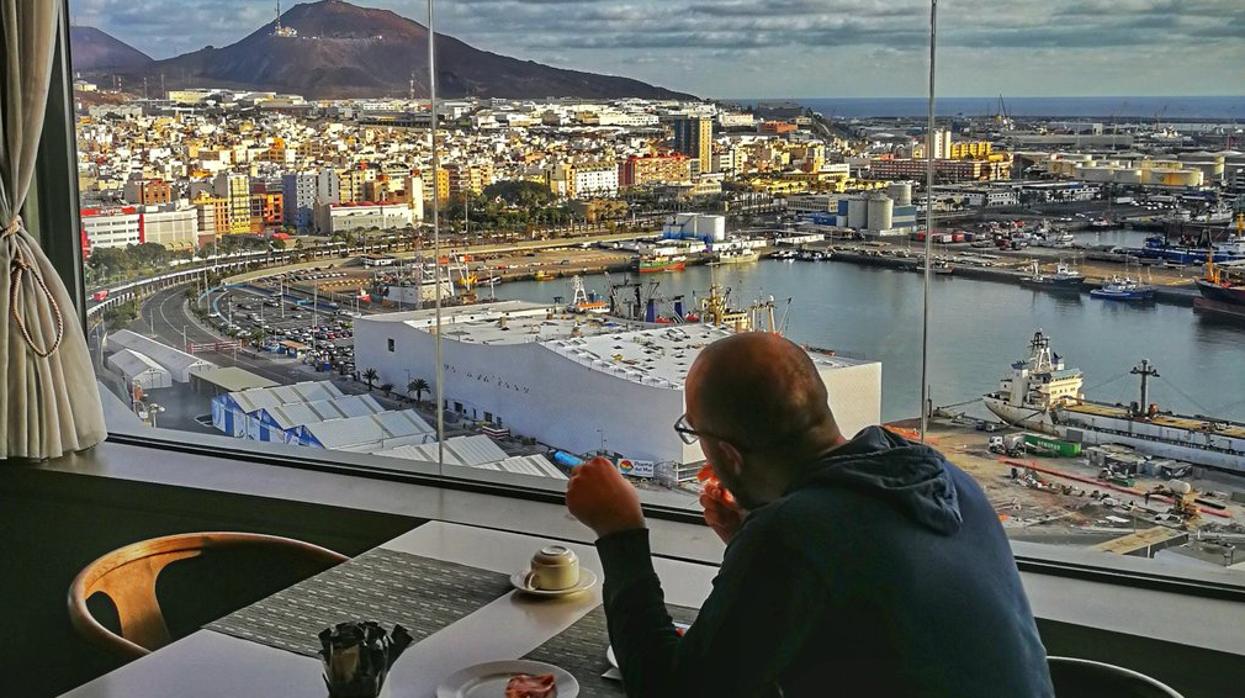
1124, 290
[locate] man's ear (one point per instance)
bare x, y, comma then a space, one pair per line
730, 458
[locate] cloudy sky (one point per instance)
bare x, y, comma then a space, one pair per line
795, 48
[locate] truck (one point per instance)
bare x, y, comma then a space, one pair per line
1007, 445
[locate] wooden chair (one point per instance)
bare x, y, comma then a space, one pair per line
128, 576
1084, 678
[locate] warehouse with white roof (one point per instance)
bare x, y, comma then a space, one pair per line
576, 382
232, 412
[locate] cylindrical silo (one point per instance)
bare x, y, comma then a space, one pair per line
900, 193
881, 213
857, 212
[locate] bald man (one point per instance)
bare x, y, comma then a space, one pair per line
869, 566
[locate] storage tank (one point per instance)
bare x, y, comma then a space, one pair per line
880, 212
1128, 176
900, 193
857, 210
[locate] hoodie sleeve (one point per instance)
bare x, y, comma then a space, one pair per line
764, 603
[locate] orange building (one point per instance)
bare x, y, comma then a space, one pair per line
267, 210
148, 192
776, 128
637, 171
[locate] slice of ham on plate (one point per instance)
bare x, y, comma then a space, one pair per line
531, 686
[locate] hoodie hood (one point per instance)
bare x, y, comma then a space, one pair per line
912, 477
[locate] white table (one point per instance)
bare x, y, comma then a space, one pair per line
209, 664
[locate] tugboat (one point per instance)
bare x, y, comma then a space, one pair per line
1124, 289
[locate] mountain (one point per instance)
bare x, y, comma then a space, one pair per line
343, 50
94, 50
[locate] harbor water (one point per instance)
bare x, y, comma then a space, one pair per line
978, 329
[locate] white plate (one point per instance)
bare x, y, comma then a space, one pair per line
609, 651
488, 680
587, 579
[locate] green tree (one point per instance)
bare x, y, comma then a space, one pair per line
370, 375
388, 388
419, 386
121, 315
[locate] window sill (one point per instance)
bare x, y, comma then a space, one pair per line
1086, 598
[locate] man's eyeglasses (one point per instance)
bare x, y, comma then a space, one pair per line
685, 431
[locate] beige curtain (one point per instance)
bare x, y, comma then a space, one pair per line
49, 404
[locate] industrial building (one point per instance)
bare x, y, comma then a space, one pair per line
875, 213
356, 216
575, 383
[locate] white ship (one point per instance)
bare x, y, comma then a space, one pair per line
1041, 393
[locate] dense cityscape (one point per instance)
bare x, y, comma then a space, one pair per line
261, 263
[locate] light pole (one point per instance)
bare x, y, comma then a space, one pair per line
929, 219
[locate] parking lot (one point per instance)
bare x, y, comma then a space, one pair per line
288, 326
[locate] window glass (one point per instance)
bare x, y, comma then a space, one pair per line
277, 253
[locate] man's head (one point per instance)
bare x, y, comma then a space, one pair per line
760, 408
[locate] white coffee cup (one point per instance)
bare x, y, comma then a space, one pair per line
554, 567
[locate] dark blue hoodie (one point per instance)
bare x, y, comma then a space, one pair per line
883, 572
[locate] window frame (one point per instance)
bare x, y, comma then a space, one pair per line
54, 206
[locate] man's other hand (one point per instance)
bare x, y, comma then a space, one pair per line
602, 499
722, 512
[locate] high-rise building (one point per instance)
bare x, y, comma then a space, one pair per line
693, 136
328, 187
236, 190
299, 191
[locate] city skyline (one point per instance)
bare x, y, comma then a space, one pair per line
793, 48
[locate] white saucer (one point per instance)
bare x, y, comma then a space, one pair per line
613, 659
587, 579
488, 680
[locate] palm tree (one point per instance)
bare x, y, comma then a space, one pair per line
370, 376
388, 388
419, 386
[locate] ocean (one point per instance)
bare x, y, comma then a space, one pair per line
1172, 108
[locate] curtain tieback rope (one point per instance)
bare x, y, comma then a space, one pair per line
17, 269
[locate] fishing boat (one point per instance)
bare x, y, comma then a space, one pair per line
584, 301
1222, 293
783, 255
1043, 394
813, 255
652, 265
1124, 289
1064, 278
745, 256
1231, 249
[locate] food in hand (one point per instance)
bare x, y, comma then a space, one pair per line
712, 486
531, 686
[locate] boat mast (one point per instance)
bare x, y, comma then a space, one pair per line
1146, 370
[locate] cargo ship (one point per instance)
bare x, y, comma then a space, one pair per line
1042, 394
652, 265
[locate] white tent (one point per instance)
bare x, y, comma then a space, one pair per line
175, 360
138, 369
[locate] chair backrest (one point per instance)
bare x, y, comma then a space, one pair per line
1085, 678
128, 576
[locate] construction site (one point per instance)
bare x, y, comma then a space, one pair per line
1106, 498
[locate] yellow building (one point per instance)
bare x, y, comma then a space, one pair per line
236, 190
971, 150
213, 212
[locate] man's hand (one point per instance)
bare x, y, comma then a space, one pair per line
602, 499
722, 512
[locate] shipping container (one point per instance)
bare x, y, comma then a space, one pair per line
1046, 445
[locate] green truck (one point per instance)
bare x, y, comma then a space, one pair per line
1050, 446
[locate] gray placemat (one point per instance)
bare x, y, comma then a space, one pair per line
423, 594
580, 649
